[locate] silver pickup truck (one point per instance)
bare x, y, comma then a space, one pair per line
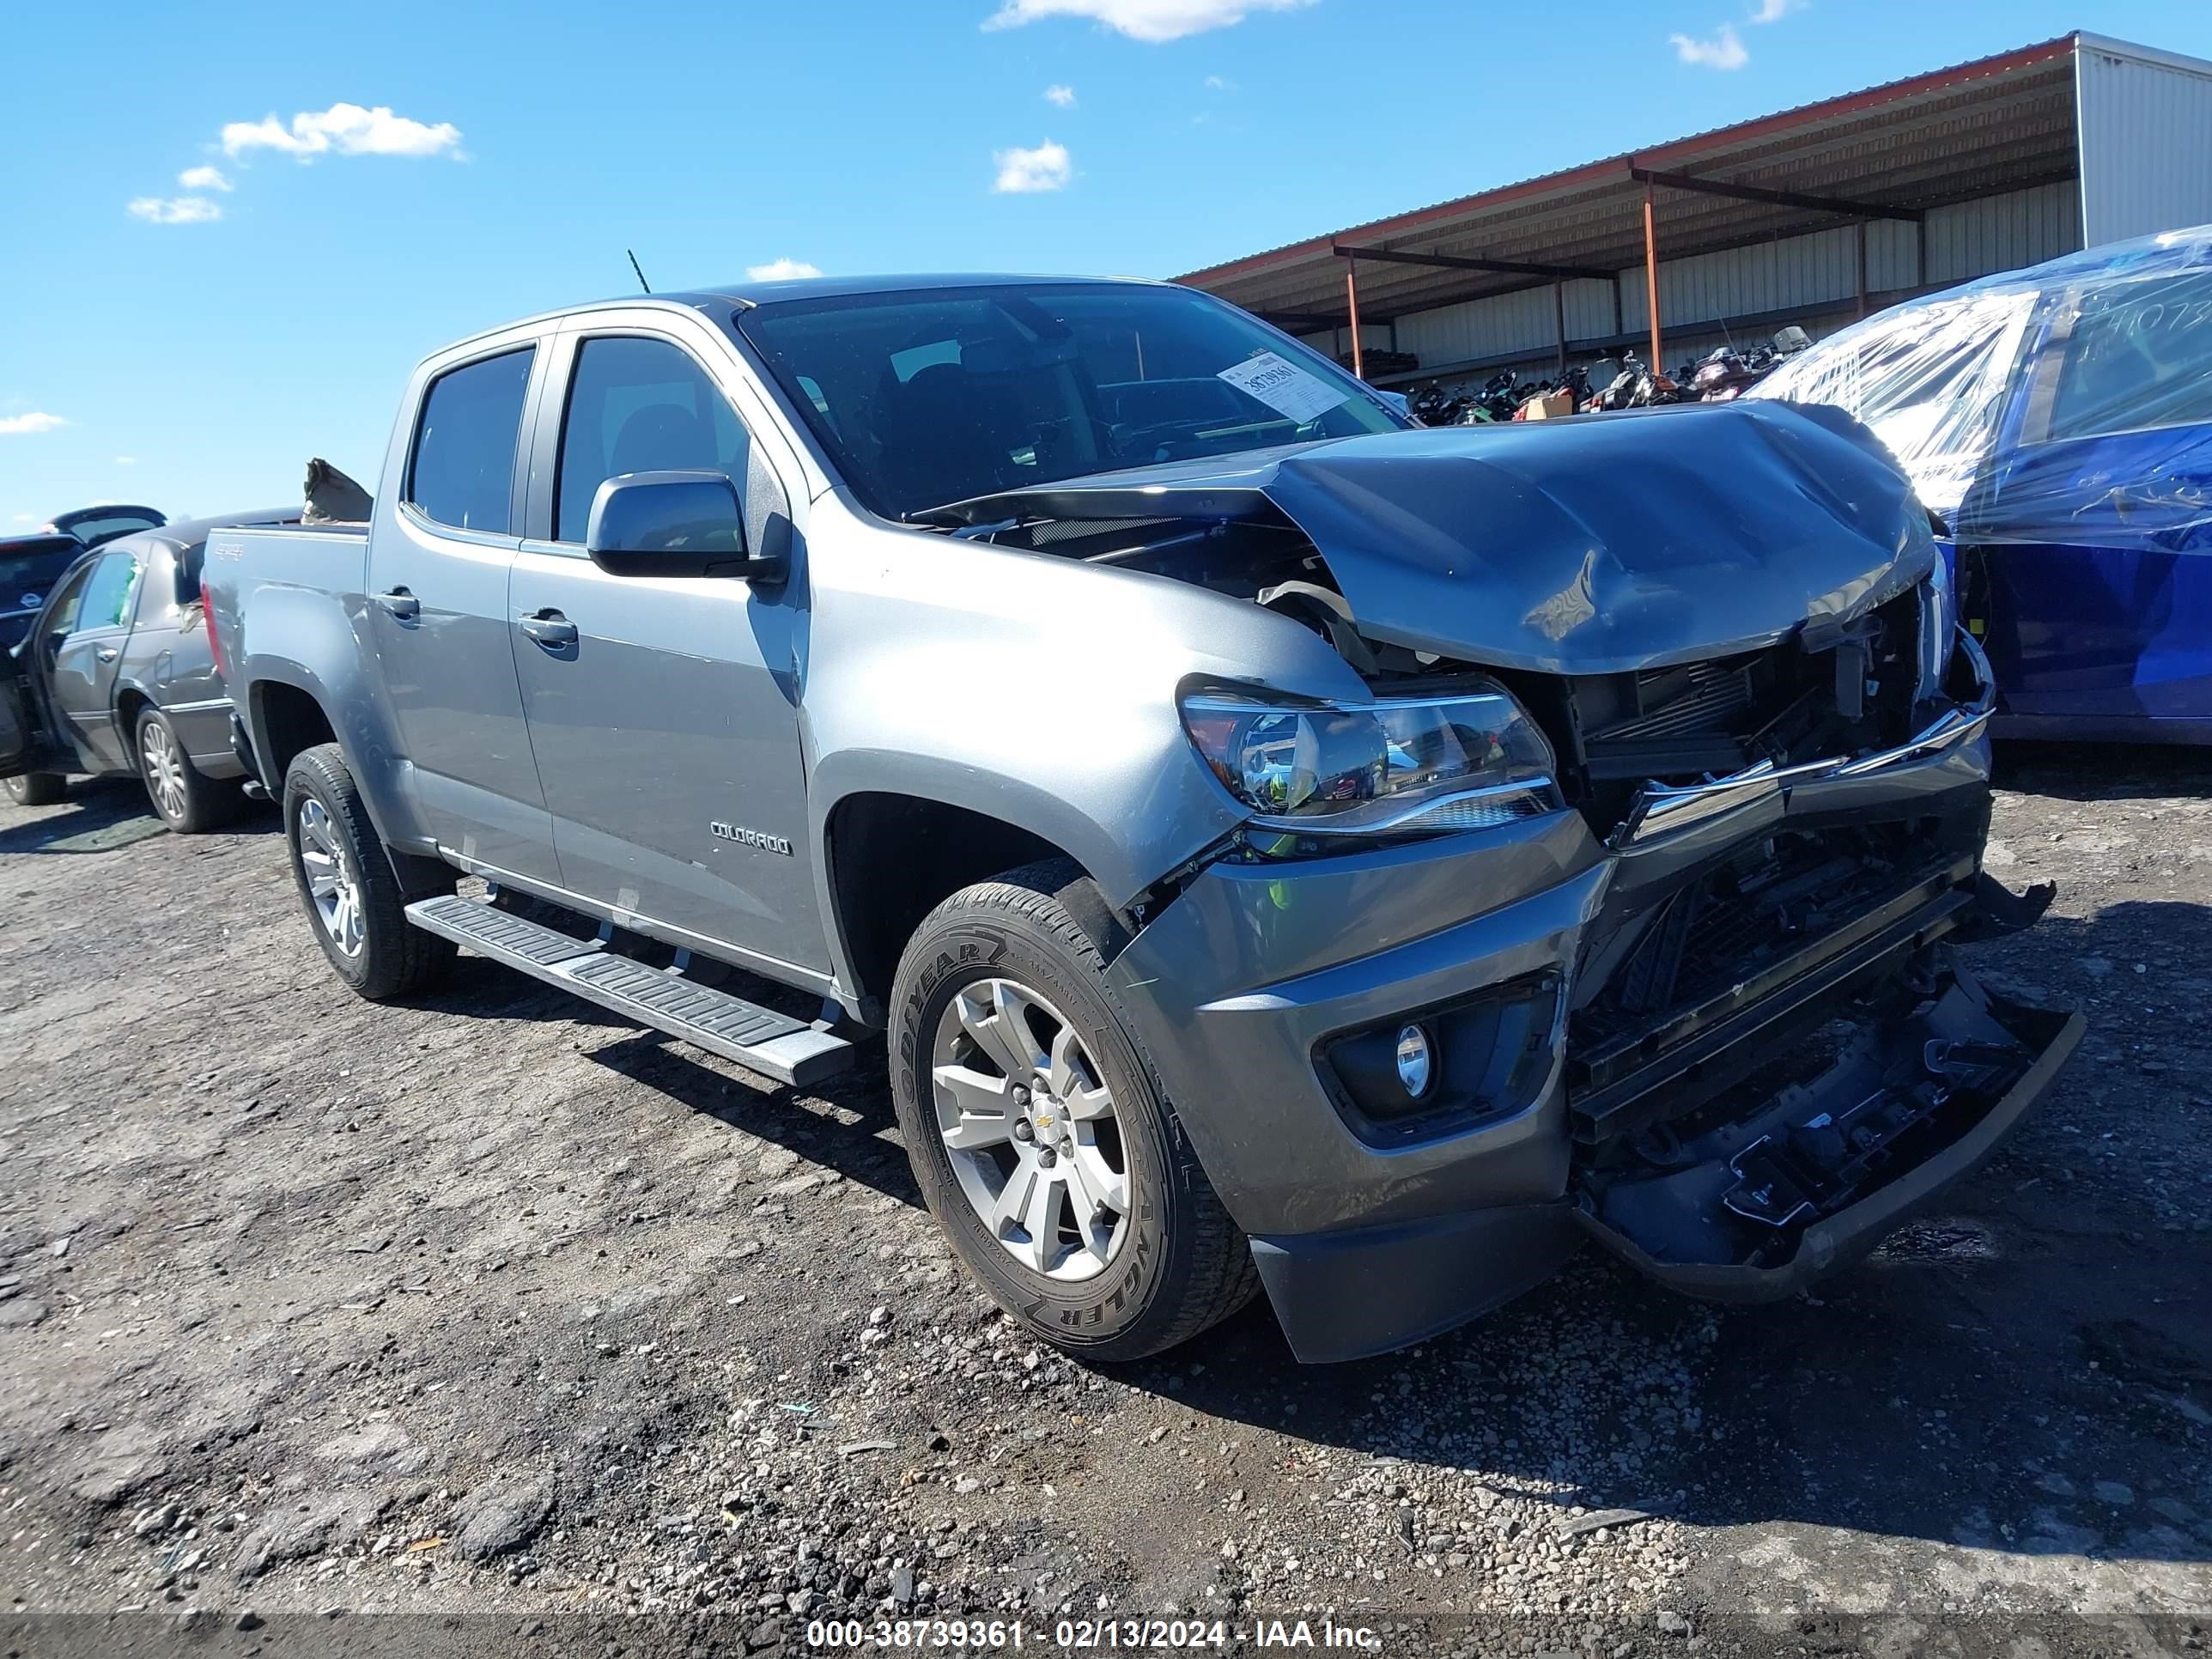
1282, 848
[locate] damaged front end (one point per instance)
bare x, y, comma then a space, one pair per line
1723, 642
1827, 1140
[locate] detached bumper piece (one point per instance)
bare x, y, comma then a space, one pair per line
1753, 1197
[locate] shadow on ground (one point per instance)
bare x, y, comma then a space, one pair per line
2104, 772
102, 814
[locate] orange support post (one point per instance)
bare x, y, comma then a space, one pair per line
1352, 302
1651, 273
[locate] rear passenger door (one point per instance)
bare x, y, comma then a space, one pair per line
440, 558
666, 721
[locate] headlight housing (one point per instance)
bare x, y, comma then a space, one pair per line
1412, 765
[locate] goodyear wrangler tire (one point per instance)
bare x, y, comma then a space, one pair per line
1038, 1131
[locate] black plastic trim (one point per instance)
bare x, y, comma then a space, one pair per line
1368, 1289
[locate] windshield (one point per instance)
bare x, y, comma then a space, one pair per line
924, 398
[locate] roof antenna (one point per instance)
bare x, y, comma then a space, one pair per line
642, 283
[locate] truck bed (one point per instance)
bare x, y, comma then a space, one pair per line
289, 582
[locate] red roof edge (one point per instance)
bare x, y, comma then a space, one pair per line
1675, 150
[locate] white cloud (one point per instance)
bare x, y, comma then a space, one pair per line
25, 518
203, 178
1063, 97
1723, 51
1773, 11
1025, 171
174, 209
1217, 84
781, 270
17, 425
1149, 20
346, 128
126, 460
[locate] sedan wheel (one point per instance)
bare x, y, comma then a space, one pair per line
164, 768
1030, 1129
331, 887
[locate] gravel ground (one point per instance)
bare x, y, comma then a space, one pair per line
493, 1308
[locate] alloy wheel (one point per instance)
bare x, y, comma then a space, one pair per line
1029, 1124
164, 768
331, 887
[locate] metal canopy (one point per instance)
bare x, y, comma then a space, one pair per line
2004, 123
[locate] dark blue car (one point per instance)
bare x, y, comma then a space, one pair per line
2059, 419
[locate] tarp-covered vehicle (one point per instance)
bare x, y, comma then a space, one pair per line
2060, 419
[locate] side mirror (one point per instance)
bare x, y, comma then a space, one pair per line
672, 524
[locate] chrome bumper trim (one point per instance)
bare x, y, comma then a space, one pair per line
1659, 809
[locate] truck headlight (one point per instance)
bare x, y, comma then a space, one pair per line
1395, 766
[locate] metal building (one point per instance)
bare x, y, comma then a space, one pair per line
1815, 216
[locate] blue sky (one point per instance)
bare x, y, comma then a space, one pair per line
389, 178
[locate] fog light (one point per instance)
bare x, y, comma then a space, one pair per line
1415, 1067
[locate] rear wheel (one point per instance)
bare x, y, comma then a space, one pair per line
189, 801
1038, 1132
353, 899
37, 789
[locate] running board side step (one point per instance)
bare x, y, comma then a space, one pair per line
776, 1045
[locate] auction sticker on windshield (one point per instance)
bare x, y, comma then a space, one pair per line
1284, 387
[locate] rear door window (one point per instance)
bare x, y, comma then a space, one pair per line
463, 470
107, 592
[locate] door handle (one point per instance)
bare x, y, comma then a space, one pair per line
550, 628
401, 604
107, 654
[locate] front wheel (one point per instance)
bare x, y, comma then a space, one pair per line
1040, 1136
189, 801
354, 898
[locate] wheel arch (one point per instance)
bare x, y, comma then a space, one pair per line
890, 857
131, 700
288, 716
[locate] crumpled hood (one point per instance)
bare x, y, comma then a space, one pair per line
1595, 545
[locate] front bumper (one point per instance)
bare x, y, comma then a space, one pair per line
1254, 967
1743, 1217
